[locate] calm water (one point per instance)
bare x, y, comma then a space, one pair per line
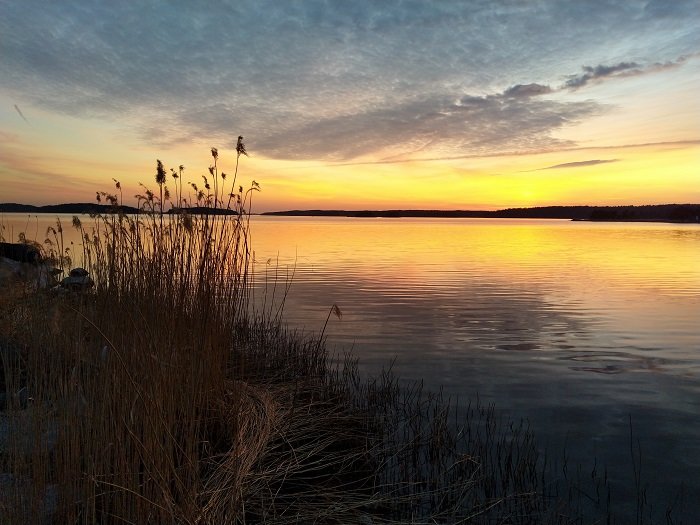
575, 326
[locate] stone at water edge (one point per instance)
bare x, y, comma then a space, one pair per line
78, 280
41, 275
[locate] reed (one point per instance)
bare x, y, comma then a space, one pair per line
163, 397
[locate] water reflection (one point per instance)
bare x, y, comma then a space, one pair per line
576, 326
501, 284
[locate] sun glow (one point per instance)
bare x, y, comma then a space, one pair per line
632, 175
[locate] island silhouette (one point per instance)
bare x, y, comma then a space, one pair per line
682, 213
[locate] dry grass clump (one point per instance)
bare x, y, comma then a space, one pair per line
160, 397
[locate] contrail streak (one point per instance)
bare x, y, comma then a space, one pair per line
21, 114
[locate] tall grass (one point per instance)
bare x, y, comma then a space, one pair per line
162, 397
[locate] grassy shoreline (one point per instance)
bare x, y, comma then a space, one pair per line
162, 396
269, 433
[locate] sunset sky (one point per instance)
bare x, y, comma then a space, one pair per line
356, 104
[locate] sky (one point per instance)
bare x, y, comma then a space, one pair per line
355, 105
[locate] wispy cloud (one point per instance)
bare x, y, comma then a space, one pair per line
591, 74
579, 164
337, 81
483, 124
602, 72
572, 148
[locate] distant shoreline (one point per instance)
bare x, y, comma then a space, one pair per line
674, 213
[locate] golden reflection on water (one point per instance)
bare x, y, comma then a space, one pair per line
658, 256
636, 284
651, 256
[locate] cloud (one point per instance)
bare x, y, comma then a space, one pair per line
600, 72
579, 164
505, 153
623, 69
527, 90
338, 80
478, 124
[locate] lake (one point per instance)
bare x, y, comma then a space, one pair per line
576, 326
579, 327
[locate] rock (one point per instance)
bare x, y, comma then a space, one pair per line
78, 272
20, 252
40, 275
78, 280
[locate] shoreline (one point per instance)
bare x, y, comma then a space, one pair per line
458, 215
667, 213
674, 213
